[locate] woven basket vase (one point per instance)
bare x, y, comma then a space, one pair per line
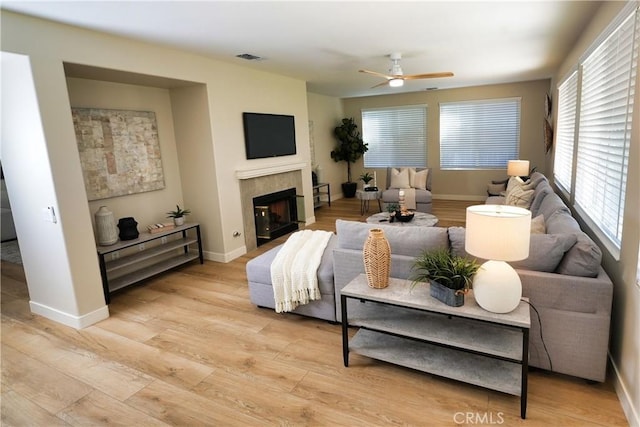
377, 259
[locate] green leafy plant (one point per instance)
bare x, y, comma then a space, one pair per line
350, 146
451, 271
392, 207
178, 213
366, 177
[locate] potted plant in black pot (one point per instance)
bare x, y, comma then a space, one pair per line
450, 276
349, 149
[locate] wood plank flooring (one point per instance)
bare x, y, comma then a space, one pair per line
187, 348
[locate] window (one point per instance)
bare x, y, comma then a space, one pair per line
565, 131
605, 89
479, 134
395, 136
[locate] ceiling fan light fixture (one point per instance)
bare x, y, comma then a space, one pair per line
396, 82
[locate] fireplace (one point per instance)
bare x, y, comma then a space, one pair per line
276, 214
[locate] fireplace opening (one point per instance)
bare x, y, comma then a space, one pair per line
276, 214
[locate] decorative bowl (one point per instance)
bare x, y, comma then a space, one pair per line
406, 217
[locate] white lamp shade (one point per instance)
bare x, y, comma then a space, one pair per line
518, 168
498, 232
396, 82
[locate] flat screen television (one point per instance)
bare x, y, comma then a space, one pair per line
269, 135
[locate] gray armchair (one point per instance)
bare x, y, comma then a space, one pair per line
423, 196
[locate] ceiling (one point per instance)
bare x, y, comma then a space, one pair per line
326, 43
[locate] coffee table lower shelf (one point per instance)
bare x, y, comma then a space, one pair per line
445, 362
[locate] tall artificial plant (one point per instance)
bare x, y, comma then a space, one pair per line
350, 144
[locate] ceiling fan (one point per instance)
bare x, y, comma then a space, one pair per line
396, 77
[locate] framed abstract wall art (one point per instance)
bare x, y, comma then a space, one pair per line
119, 151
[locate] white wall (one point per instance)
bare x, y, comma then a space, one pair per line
53, 254
326, 113
230, 89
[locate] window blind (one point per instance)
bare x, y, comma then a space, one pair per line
604, 133
395, 136
565, 131
479, 134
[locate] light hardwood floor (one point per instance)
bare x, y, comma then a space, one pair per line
188, 349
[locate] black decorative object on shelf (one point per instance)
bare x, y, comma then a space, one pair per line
128, 228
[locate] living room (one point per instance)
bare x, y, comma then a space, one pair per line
67, 69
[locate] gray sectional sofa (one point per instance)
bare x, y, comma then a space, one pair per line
562, 278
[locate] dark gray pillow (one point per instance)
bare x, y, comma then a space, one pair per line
545, 250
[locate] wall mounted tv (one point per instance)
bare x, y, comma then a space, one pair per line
269, 135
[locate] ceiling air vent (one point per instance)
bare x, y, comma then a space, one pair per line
249, 57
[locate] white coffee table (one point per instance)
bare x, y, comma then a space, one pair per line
420, 219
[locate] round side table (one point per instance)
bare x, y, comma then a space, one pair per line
365, 197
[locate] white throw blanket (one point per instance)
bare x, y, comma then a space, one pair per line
294, 269
409, 198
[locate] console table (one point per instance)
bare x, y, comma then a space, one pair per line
317, 194
408, 327
156, 253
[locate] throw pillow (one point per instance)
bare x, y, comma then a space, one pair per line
519, 197
418, 179
545, 250
537, 225
496, 189
399, 178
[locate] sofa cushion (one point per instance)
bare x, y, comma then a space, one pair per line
545, 250
539, 193
402, 240
551, 204
399, 178
584, 258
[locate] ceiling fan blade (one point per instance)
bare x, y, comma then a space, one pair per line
427, 76
385, 76
380, 84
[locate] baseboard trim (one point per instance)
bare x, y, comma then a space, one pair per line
623, 396
224, 257
77, 322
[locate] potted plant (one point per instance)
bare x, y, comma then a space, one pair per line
366, 177
349, 149
392, 208
450, 276
178, 215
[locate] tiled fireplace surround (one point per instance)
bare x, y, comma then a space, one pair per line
251, 187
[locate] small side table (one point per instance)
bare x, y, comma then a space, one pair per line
365, 197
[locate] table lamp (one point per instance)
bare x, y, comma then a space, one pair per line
497, 233
519, 168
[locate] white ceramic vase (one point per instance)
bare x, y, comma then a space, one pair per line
106, 227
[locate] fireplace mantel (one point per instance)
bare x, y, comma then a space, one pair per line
269, 170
